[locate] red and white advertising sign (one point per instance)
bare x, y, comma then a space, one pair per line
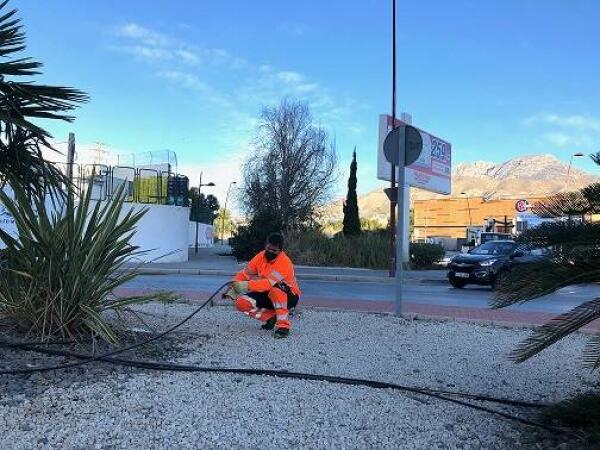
431, 172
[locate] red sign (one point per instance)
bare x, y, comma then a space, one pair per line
521, 206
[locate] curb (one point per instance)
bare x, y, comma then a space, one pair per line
299, 276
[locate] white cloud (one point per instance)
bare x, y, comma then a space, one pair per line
220, 173
142, 34
186, 80
289, 77
187, 56
562, 140
557, 139
576, 121
147, 53
153, 46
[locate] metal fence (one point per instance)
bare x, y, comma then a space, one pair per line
141, 185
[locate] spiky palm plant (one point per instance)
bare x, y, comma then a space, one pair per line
61, 272
574, 257
21, 141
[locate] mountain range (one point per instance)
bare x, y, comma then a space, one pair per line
530, 175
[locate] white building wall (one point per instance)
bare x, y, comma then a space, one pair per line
205, 235
162, 233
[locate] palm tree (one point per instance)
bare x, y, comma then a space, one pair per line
574, 257
21, 141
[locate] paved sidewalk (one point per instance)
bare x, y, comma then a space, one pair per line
217, 261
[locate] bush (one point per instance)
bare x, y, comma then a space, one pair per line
581, 412
63, 268
423, 256
248, 240
367, 250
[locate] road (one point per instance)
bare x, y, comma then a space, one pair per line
432, 299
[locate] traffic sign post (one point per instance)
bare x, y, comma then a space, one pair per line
402, 147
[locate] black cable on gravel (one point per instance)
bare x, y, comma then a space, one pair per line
449, 396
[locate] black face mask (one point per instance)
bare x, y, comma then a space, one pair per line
270, 255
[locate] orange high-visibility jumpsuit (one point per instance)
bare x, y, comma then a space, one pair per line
274, 278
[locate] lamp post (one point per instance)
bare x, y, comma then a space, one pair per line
225, 211
574, 155
394, 200
468, 206
197, 206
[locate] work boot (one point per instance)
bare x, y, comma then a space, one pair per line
269, 324
281, 333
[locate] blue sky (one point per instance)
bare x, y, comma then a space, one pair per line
496, 79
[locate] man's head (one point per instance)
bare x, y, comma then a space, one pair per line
273, 246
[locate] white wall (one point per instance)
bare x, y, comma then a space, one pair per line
205, 235
162, 232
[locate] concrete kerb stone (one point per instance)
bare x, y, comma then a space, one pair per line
300, 276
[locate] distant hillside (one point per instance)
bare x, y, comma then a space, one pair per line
519, 177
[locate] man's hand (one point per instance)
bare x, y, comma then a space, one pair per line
230, 293
240, 287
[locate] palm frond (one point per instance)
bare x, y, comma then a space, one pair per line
556, 329
592, 195
563, 204
544, 278
563, 234
22, 164
22, 102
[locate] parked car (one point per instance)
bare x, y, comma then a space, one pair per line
485, 264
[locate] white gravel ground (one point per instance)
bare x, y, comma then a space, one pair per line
140, 409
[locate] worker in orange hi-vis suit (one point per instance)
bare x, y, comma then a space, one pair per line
267, 288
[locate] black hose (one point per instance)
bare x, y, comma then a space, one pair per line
107, 357
441, 395
90, 358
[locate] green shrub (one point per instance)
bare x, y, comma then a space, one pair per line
423, 256
248, 240
367, 250
62, 270
581, 412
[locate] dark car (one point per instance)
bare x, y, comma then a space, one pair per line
485, 264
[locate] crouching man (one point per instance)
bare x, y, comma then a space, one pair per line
267, 288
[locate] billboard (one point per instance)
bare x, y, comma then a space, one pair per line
431, 172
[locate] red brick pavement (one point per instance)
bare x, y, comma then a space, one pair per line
498, 316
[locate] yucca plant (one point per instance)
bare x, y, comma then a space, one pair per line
60, 273
574, 257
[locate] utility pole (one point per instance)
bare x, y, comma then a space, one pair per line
574, 155
225, 212
198, 208
395, 194
196, 213
70, 156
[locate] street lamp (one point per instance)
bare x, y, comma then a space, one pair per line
574, 155
225, 211
468, 206
199, 187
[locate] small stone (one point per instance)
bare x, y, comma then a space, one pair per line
26, 427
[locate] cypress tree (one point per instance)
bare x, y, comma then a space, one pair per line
351, 219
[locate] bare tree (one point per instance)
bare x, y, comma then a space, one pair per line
292, 170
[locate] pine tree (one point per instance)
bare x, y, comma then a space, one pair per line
573, 257
351, 219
